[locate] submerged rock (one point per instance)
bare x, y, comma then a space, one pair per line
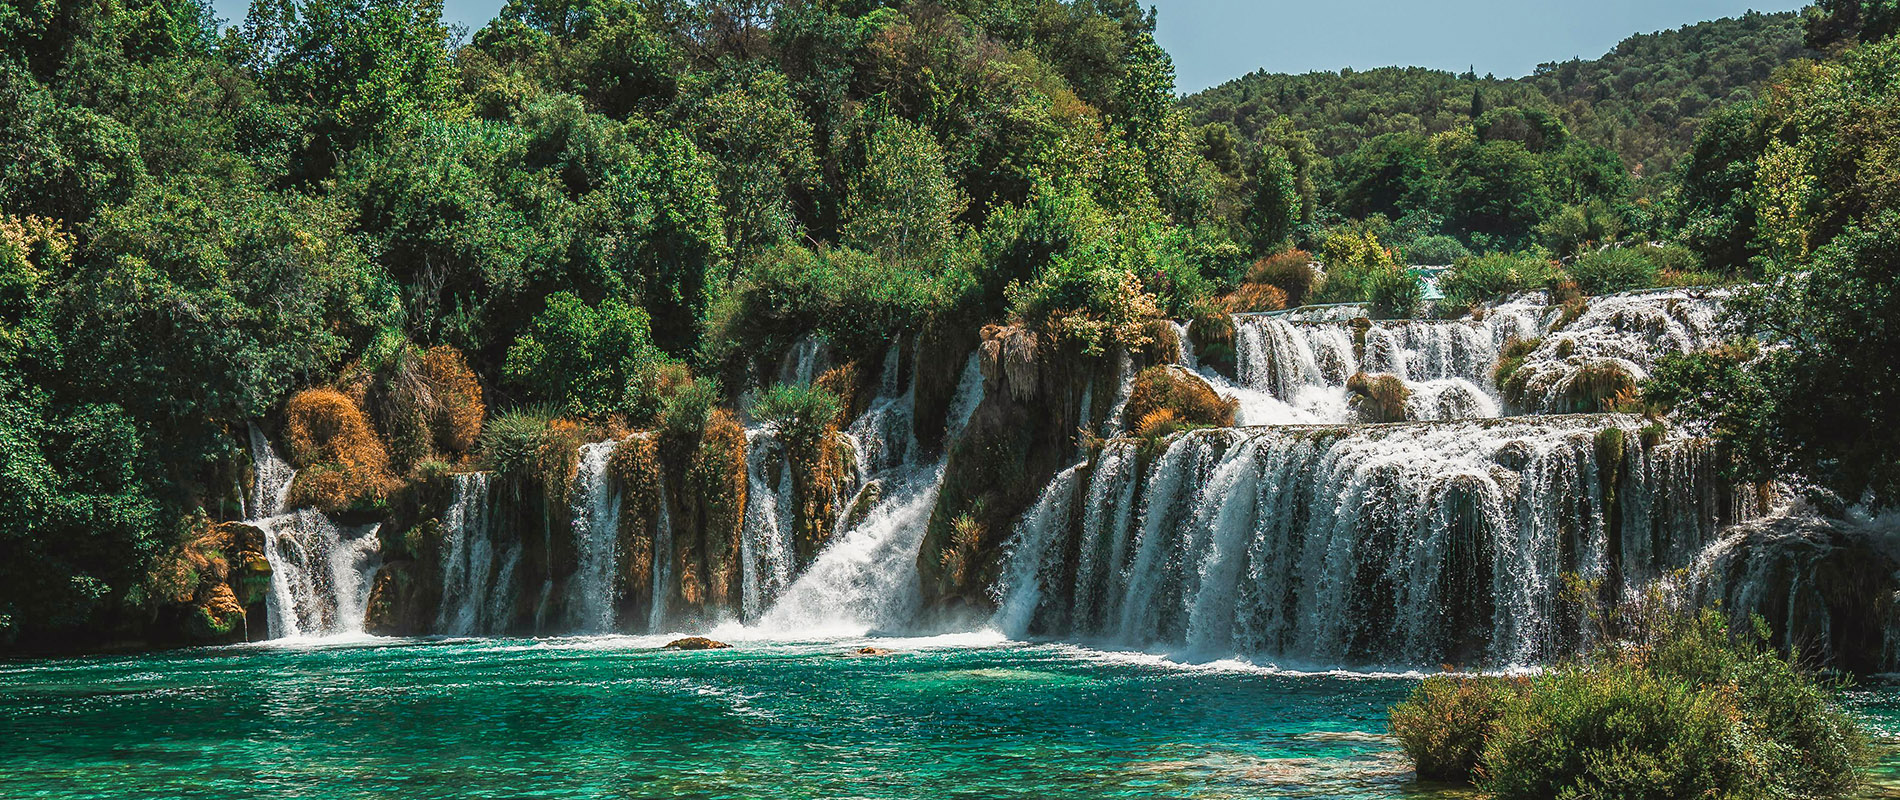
867, 651
696, 643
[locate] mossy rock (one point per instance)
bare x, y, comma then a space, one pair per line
692, 643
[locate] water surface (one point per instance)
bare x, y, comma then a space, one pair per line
616, 717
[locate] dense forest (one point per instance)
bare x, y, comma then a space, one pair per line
402, 252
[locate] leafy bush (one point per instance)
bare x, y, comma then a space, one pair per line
1353, 259
1086, 301
1394, 293
1290, 271
800, 412
1435, 251
1483, 279
1618, 269
341, 462
1444, 725
585, 359
532, 444
1187, 399
1680, 707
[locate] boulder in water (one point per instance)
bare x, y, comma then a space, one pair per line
863, 652
696, 643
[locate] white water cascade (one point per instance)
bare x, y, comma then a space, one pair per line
1626, 333
765, 546
865, 580
596, 521
1399, 544
478, 566
321, 573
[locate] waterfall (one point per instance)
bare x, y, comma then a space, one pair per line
270, 491
865, 579
765, 545
1410, 544
596, 521
321, 573
1625, 334
478, 570
665, 579
1031, 553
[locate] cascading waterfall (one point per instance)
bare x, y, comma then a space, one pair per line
478, 570
596, 521
665, 578
1621, 333
765, 546
1031, 556
866, 578
1400, 544
321, 573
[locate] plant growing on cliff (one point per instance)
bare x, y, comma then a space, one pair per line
1186, 397
801, 413
341, 461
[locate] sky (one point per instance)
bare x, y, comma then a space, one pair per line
1214, 41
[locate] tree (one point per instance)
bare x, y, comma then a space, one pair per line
582, 358
358, 70
901, 204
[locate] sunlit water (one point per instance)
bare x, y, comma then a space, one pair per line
617, 717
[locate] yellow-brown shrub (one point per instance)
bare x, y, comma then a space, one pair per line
341, 463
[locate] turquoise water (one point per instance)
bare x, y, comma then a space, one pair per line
619, 718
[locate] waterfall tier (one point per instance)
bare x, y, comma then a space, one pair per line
1412, 544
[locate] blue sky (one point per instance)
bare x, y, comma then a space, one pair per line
1216, 40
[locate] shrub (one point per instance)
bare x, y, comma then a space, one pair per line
1435, 251
1483, 279
1086, 299
1510, 357
1191, 400
1594, 387
534, 445
1353, 259
1394, 293
1444, 725
1290, 271
1250, 296
802, 413
684, 413
1378, 398
1617, 269
341, 463
585, 360
1678, 706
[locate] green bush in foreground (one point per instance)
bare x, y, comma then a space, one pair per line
1682, 707
1444, 725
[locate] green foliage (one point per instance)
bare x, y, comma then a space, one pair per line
1476, 280
1354, 258
1444, 725
802, 413
1689, 708
1669, 704
1394, 294
1825, 402
1642, 98
1435, 251
586, 360
1617, 269
901, 204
